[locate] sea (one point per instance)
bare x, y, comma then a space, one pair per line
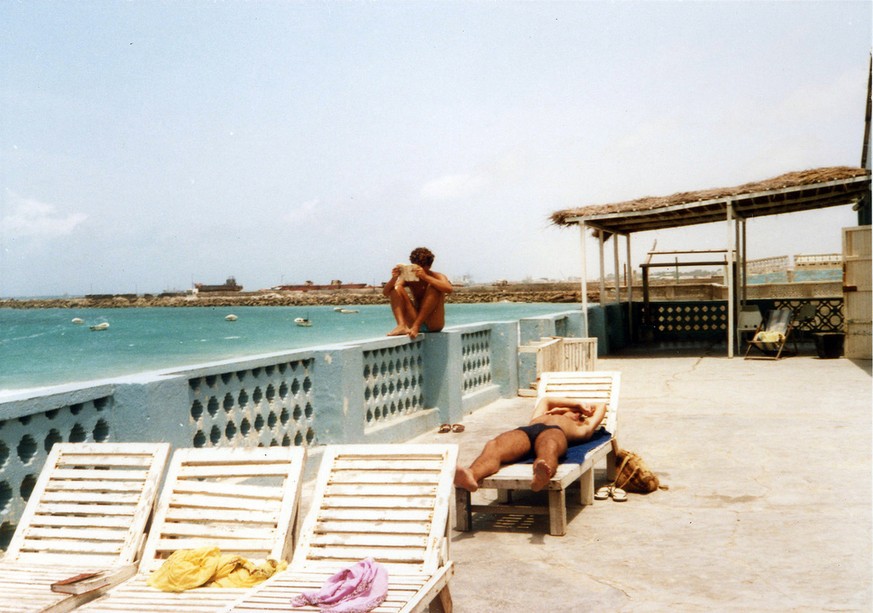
44, 347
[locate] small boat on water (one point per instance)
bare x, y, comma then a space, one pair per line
101, 326
78, 321
346, 311
303, 322
231, 317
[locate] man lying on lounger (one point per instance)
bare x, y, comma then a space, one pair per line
555, 423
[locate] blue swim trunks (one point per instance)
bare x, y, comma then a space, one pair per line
534, 430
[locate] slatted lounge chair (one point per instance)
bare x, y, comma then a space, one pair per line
243, 501
86, 517
771, 336
577, 465
388, 502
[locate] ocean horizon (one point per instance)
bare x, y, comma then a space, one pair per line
43, 348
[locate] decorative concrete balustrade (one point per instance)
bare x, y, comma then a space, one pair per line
377, 391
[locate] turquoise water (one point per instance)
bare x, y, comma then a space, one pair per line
42, 347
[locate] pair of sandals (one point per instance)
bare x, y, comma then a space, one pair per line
610, 491
451, 428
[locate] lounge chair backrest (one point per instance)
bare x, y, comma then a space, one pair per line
589, 386
779, 320
90, 505
241, 500
388, 502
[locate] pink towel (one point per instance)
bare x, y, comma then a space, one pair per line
357, 589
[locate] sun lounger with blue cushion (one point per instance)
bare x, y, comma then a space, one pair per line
577, 465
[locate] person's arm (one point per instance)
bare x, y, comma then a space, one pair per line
389, 287
555, 405
585, 429
438, 280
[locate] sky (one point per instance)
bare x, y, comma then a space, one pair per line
148, 145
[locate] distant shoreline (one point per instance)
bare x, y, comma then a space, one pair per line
556, 293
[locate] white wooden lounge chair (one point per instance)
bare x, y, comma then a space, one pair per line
388, 502
86, 518
243, 501
578, 465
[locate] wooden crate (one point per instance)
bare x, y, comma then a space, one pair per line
857, 306
859, 341
557, 354
856, 241
856, 273
579, 354
857, 290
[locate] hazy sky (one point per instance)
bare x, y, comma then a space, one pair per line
145, 145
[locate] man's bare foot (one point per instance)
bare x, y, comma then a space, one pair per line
413, 331
542, 474
399, 331
464, 478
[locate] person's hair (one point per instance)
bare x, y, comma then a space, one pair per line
421, 256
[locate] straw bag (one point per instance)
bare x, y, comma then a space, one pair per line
633, 475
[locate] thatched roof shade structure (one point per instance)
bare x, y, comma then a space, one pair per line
789, 193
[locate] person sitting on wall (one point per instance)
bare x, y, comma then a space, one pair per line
555, 423
424, 304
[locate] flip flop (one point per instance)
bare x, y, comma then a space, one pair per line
603, 493
445, 428
457, 427
618, 494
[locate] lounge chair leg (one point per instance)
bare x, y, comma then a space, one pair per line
463, 510
586, 487
443, 601
557, 513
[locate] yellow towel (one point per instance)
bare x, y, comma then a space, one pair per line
236, 571
765, 336
186, 569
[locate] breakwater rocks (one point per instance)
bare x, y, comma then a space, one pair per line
313, 298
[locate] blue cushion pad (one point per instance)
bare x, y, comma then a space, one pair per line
576, 453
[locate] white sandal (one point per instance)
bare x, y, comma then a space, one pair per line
603, 493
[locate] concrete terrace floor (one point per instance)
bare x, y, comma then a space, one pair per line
768, 465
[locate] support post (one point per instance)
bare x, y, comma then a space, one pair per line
582, 229
617, 271
729, 275
743, 260
600, 298
630, 291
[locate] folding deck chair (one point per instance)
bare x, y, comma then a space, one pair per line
242, 500
577, 465
84, 525
772, 335
388, 502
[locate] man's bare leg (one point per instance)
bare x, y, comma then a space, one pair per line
431, 311
550, 445
403, 309
505, 448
